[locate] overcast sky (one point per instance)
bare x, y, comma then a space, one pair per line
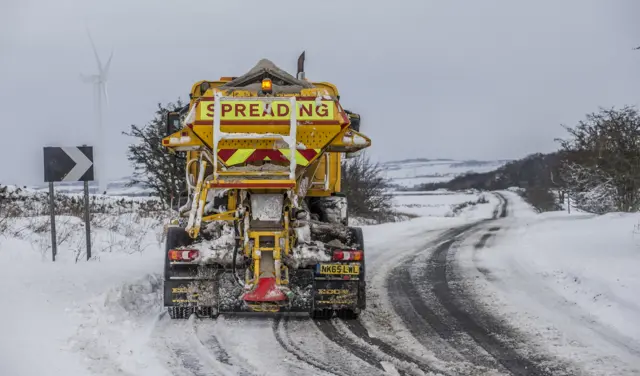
460, 79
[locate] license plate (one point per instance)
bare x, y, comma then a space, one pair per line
352, 269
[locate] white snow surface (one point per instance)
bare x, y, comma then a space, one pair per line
568, 281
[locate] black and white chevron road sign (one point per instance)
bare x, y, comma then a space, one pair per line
72, 163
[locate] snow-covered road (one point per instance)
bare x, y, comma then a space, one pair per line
569, 283
495, 290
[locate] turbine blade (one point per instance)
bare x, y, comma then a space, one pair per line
95, 52
105, 71
106, 94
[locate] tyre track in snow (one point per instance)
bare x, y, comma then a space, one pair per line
500, 212
329, 330
360, 331
183, 361
429, 325
199, 355
448, 316
288, 345
354, 338
221, 360
482, 328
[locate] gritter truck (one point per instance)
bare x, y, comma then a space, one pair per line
264, 227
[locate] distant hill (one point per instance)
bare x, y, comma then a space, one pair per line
411, 173
533, 171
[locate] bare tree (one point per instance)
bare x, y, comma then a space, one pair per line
602, 156
364, 183
153, 165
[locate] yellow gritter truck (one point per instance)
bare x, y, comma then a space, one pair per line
264, 227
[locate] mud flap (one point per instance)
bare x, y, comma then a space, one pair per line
190, 293
337, 294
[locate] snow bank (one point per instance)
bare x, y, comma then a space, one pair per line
51, 308
115, 327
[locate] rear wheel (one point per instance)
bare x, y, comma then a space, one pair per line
348, 314
206, 312
358, 243
180, 313
322, 314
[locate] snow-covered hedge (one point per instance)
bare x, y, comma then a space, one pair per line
22, 202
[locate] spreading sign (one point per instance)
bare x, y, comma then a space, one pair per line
257, 110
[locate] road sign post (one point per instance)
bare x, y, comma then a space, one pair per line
87, 219
52, 205
69, 164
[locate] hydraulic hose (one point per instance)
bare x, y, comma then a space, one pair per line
235, 254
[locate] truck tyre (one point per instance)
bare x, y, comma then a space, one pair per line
357, 242
322, 314
180, 313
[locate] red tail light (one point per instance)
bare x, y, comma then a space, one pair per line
183, 254
347, 255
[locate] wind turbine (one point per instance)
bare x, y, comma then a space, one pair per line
99, 82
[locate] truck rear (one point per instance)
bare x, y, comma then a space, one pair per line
265, 226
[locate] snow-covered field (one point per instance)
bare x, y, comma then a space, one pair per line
440, 204
568, 282
411, 173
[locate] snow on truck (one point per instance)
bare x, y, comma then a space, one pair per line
265, 226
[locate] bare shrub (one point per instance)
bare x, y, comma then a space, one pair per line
364, 183
602, 155
541, 198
